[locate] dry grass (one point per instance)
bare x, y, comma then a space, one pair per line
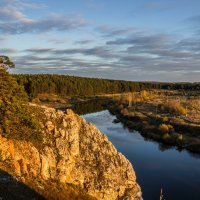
173, 107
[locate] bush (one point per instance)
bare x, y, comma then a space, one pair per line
163, 128
173, 107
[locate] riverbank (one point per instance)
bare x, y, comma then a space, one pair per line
64, 102
156, 115
153, 121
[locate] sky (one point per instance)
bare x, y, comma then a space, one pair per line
138, 40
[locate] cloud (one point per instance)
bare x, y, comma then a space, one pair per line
99, 51
117, 52
57, 41
148, 41
110, 31
83, 42
53, 21
5, 51
14, 21
166, 63
22, 4
159, 46
7, 14
139, 56
39, 50
139, 70
189, 44
194, 19
57, 63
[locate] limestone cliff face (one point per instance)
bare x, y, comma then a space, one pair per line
73, 152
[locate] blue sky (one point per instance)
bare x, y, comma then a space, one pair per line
146, 40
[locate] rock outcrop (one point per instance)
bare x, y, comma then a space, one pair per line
73, 152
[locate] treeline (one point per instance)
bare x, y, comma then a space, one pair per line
64, 85
70, 86
180, 86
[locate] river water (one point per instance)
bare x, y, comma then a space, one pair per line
156, 166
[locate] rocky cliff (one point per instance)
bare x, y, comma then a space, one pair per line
73, 156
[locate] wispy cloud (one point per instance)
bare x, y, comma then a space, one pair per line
5, 51
8, 14
189, 44
110, 31
53, 21
194, 19
144, 40
57, 41
146, 55
99, 51
83, 42
39, 50
14, 21
22, 4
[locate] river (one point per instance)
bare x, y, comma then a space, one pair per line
156, 166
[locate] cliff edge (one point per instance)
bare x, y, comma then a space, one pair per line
73, 156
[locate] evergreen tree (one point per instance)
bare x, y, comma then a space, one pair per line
17, 119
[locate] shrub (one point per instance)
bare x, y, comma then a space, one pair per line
163, 128
173, 107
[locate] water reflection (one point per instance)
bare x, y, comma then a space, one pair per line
89, 107
164, 147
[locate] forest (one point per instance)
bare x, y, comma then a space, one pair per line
181, 86
65, 85
71, 86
